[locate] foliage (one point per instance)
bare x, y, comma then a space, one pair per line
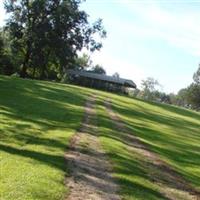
98, 69
193, 96
187, 97
6, 65
161, 97
47, 34
149, 84
190, 97
82, 62
148, 88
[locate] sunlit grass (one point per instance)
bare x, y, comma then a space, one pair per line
36, 122
173, 133
38, 118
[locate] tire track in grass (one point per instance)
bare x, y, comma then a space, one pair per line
89, 168
172, 185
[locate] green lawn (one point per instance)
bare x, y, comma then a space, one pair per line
38, 118
173, 133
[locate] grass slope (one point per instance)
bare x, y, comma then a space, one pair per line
38, 118
173, 133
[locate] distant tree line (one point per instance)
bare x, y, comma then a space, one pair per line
42, 38
187, 97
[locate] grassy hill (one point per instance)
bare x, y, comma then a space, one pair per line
38, 119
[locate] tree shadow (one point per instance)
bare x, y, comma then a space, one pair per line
31, 111
139, 136
44, 158
180, 148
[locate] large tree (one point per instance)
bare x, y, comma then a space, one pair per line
47, 34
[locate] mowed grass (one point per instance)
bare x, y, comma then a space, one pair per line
172, 133
37, 119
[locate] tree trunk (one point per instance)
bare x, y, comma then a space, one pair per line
23, 73
42, 76
34, 69
44, 67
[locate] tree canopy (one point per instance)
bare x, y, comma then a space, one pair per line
98, 69
45, 35
186, 97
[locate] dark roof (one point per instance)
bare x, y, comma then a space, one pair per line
111, 79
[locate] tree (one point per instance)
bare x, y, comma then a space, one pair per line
6, 65
48, 33
182, 98
193, 96
148, 88
189, 97
82, 62
149, 84
196, 76
98, 69
173, 98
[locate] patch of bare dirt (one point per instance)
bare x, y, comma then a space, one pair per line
90, 170
172, 185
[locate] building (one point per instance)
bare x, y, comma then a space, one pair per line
100, 81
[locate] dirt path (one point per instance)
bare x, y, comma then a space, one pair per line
90, 177
172, 185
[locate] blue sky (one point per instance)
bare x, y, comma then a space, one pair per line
159, 39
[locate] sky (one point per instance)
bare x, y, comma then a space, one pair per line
147, 38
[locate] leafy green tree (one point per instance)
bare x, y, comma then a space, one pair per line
182, 98
82, 62
189, 97
6, 65
98, 69
161, 97
48, 33
193, 96
193, 91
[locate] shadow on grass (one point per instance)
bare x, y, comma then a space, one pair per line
51, 160
181, 152
184, 148
31, 109
167, 107
181, 147
129, 169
